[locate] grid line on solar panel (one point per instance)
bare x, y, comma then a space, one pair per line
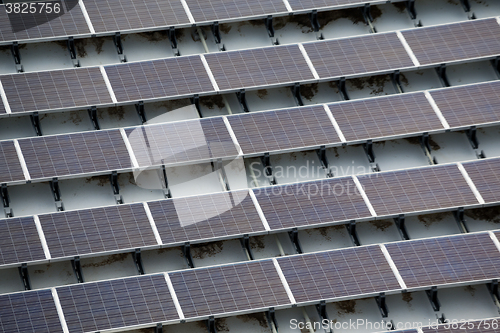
117, 15
385, 116
446, 260
159, 78
315, 4
453, 42
479, 326
41, 25
20, 242
230, 288
340, 273
215, 10
59, 89
347, 56
324, 201
415, 190
110, 304
31, 311
259, 67
71, 154
10, 167
183, 141
470, 105
486, 177
283, 129
204, 217
74, 233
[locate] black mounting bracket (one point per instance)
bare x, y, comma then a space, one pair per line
242, 100
211, 325
271, 318
368, 147
136, 255
77, 269
4, 194
342, 89
472, 136
93, 118
117, 39
268, 21
219, 166
496, 65
168, 194
460, 219
493, 289
313, 16
139, 107
71, 47
196, 101
441, 72
351, 229
14, 48
324, 160
465, 5
382, 305
433, 298
25, 278
294, 237
245, 243
159, 328
173, 41
367, 16
186, 251
400, 223
216, 32
296, 94
410, 6
396, 82
268, 169
113, 178
321, 308
35, 121
56, 193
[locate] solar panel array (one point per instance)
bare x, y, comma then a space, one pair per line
116, 15
159, 78
206, 217
385, 116
223, 289
417, 190
184, 141
260, 132
20, 242
10, 167
315, 4
118, 303
33, 311
445, 260
365, 54
469, 105
14, 27
486, 178
74, 233
60, 89
72, 154
453, 42
340, 273
324, 201
259, 67
216, 10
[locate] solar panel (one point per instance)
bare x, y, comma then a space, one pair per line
195, 140
59, 89
283, 129
72, 154
385, 116
469, 105
417, 190
31, 311
117, 15
41, 25
486, 178
215, 10
340, 273
305, 204
316, 4
90, 307
96, 230
159, 78
259, 67
366, 54
231, 288
479, 326
10, 167
444, 260
204, 217
451, 42
20, 242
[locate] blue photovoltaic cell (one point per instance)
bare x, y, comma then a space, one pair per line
485, 175
19, 242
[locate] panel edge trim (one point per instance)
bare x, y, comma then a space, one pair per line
209, 72
284, 281
4, 99
174, 296
22, 161
471, 184
130, 150
86, 16
152, 223
108, 84
408, 49
188, 12
287, 5
259, 210
41, 235
436, 109
59, 309
233, 136
334, 123
308, 61
364, 196
393, 266
494, 239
